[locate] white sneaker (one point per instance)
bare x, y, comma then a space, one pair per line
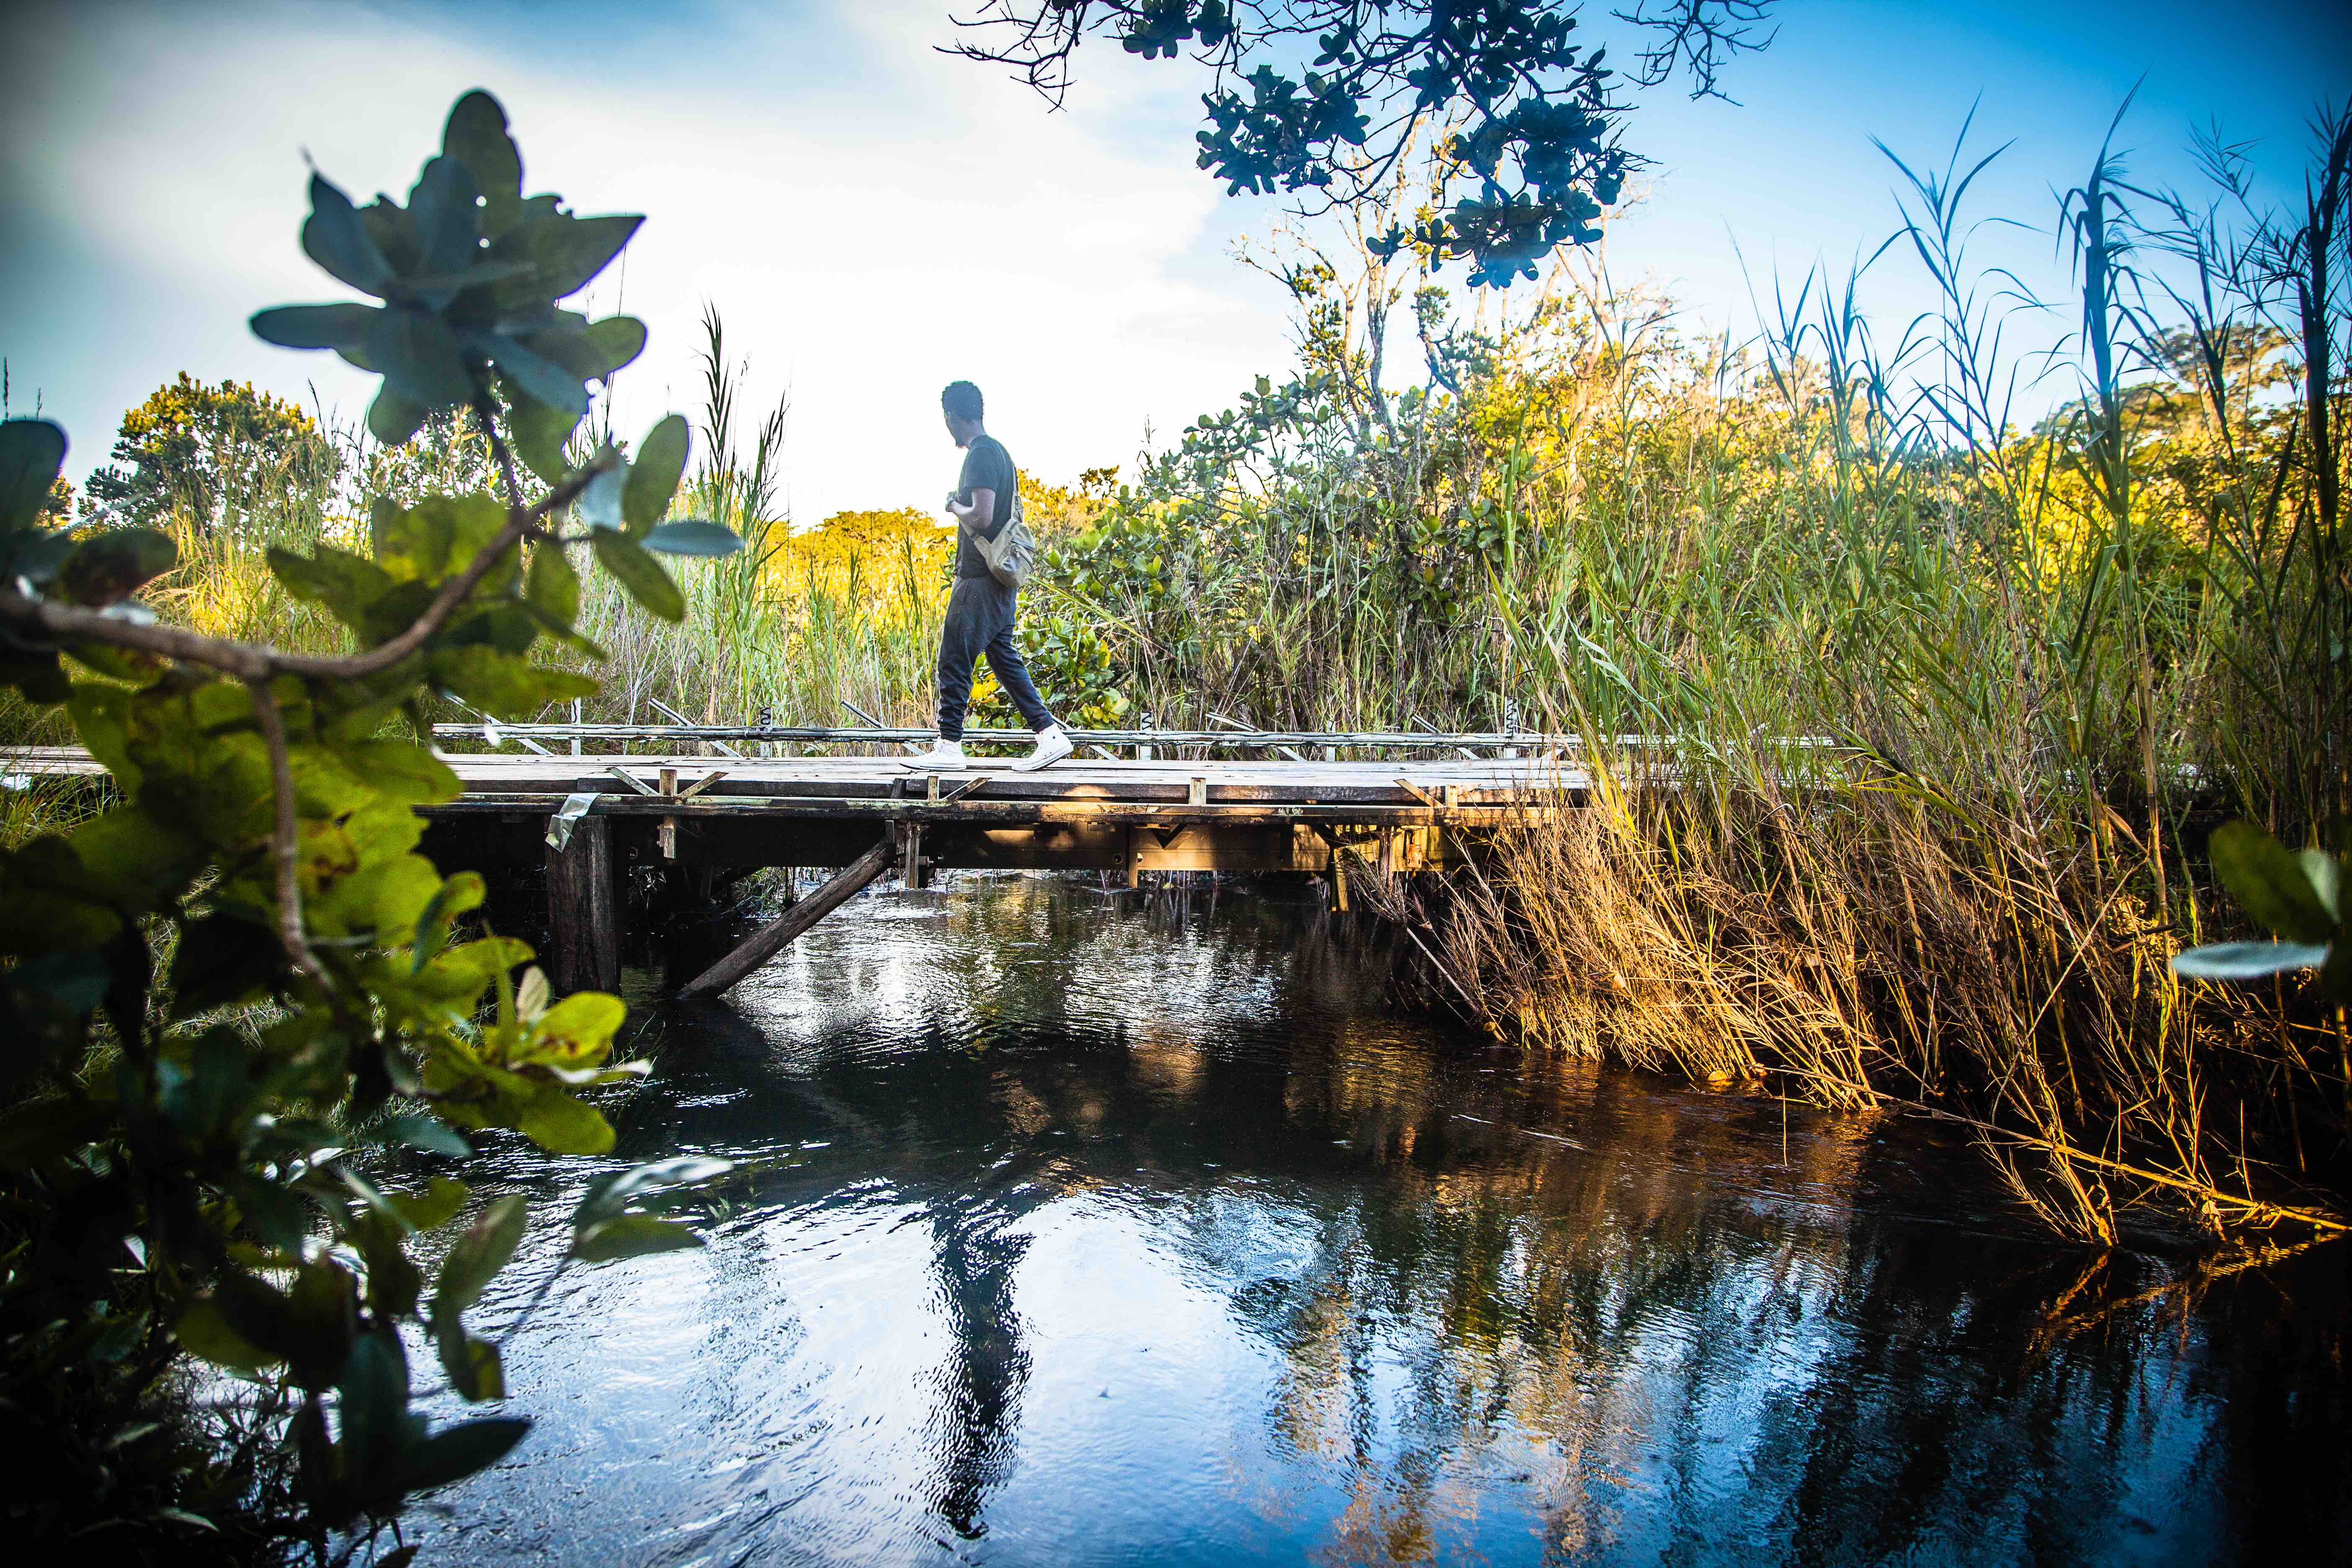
945, 757
1053, 745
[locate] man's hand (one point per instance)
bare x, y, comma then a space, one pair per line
982, 505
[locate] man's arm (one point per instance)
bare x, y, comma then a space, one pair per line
982, 505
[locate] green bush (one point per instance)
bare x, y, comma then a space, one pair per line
225, 989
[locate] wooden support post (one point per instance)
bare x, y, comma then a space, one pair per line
770, 939
1134, 858
911, 838
668, 834
1338, 880
584, 909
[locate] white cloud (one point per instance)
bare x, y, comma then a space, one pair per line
872, 218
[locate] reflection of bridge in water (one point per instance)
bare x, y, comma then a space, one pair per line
1629, 1316
706, 821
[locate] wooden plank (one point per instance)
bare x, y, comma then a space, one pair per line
771, 938
583, 909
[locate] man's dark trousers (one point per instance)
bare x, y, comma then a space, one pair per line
979, 621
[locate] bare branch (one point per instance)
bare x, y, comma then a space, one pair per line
285, 844
1699, 37
69, 623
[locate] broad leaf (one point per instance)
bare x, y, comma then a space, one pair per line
334, 237
562, 1124
2270, 881
631, 1236
110, 566
552, 585
477, 137
449, 223
479, 1254
418, 357
640, 574
392, 418
653, 473
455, 1452
2247, 960
564, 251
693, 536
608, 1195
315, 326
428, 1133
539, 432
31, 453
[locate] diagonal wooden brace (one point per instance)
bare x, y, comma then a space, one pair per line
770, 940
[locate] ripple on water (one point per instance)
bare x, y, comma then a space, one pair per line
1078, 1230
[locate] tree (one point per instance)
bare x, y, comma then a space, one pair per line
1535, 137
214, 453
273, 973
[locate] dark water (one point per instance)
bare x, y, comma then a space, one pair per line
1081, 1231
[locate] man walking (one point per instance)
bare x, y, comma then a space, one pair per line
981, 608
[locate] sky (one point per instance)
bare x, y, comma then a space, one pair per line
873, 218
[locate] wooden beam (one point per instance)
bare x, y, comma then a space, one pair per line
770, 940
584, 909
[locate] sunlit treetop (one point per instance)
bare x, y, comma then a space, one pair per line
1320, 98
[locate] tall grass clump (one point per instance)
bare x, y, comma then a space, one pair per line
1940, 703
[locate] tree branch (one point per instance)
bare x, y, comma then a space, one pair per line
68, 624
284, 845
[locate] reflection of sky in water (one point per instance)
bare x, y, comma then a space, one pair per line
1087, 1233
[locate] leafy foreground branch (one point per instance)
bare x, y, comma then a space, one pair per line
220, 992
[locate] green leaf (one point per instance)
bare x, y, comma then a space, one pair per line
479, 1254
374, 1388
2269, 880
334, 237
616, 341
562, 1124
132, 859
428, 1133
542, 380
552, 585
693, 536
639, 573
315, 326
222, 960
566, 252
541, 433
402, 770
455, 1452
449, 223
2325, 875
653, 473
112, 565
631, 1236
434, 1207
392, 418
505, 685
477, 137
475, 1368
205, 1332
32, 451
2247, 960
349, 585
418, 357
608, 1195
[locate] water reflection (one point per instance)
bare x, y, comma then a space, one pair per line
1087, 1233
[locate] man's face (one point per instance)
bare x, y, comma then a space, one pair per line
960, 431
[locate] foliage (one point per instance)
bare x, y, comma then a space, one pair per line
215, 454
1535, 139
2298, 898
230, 994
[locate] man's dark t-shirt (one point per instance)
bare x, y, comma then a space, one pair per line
986, 467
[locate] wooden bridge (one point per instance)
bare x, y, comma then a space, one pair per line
718, 803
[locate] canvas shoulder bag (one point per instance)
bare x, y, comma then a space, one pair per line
1014, 550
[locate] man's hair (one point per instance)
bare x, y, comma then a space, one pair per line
961, 399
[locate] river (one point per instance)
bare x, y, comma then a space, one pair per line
1076, 1228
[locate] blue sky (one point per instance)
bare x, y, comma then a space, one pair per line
875, 218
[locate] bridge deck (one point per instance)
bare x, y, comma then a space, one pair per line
698, 822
